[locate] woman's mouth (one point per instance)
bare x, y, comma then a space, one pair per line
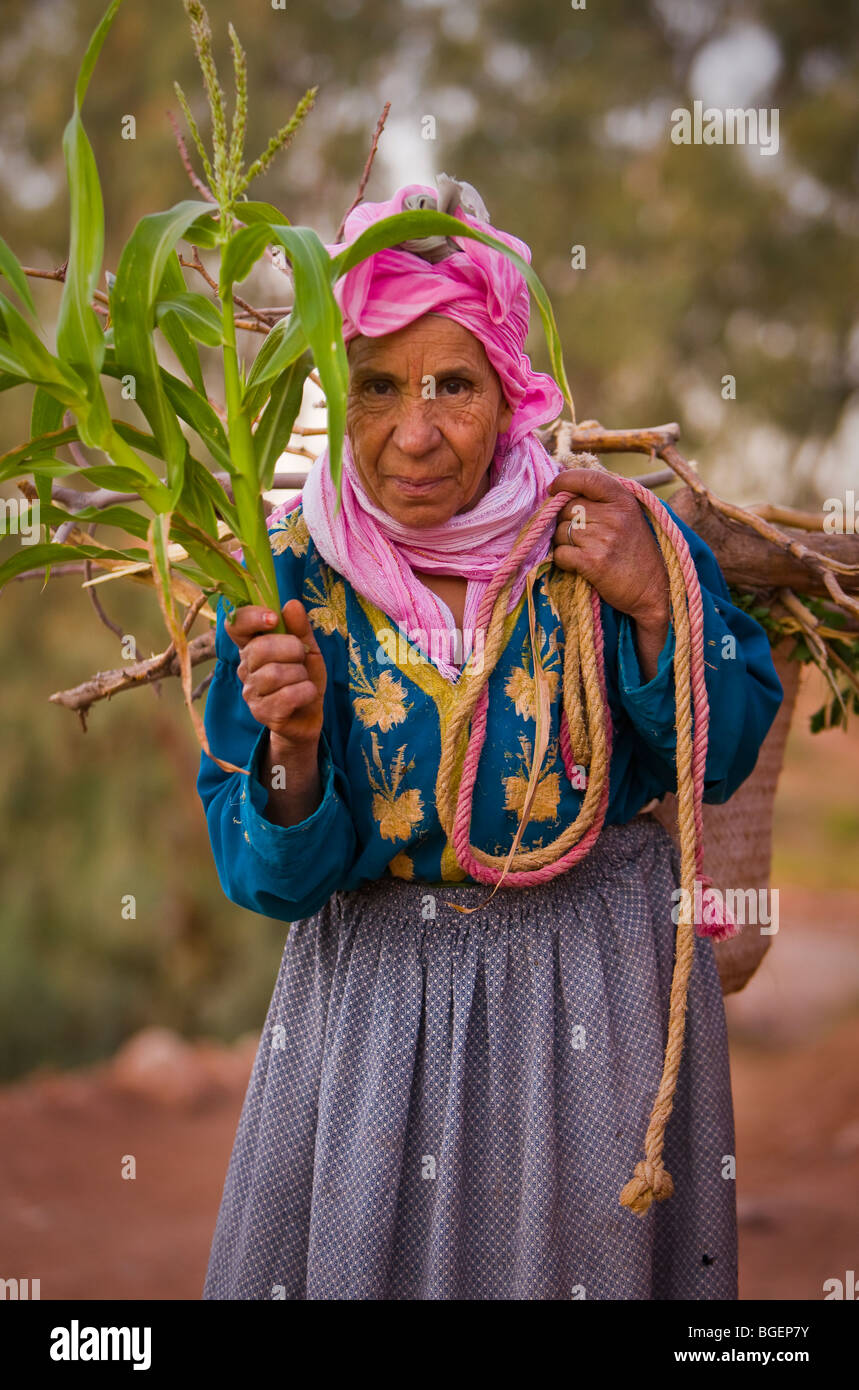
417, 488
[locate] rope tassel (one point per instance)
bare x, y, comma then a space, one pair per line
714, 919
586, 725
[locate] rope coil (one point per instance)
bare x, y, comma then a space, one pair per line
586, 738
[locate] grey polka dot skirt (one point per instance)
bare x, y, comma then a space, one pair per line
447, 1106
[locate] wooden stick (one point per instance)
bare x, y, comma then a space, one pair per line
380, 126
749, 560
589, 434
788, 516
105, 684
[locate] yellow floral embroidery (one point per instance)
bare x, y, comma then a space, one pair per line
547, 590
397, 813
401, 866
548, 793
291, 533
442, 692
383, 702
329, 614
521, 686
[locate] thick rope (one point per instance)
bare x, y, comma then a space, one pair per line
586, 739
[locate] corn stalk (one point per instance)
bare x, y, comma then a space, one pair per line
179, 529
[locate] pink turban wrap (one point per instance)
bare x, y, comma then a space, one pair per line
477, 287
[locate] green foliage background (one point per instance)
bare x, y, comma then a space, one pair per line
700, 262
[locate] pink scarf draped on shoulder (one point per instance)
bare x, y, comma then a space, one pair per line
481, 289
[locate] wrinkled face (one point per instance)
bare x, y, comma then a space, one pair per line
425, 407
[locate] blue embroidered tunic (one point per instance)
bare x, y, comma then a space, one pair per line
384, 708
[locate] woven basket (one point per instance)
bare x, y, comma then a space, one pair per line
738, 834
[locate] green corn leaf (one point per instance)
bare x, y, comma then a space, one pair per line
197, 412
198, 315
213, 560
24, 354
30, 557
91, 56
191, 407
159, 531
182, 343
50, 468
47, 414
173, 328
46, 417
117, 515
241, 254
195, 504
138, 277
138, 439
204, 482
11, 364
110, 475
150, 487
125, 480
321, 321
10, 266
274, 430
198, 577
129, 476
404, 226
158, 542
251, 212
282, 346
10, 379
254, 538
12, 463
204, 231
80, 338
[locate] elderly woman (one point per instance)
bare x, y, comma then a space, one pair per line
445, 1105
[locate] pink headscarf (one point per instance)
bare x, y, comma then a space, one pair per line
477, 287
481, 289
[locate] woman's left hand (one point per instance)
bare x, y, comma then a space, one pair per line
612, 545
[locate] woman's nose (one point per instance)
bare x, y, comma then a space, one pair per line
415, 431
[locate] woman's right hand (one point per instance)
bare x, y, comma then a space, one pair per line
283, 675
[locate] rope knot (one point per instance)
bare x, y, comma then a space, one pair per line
652, 1182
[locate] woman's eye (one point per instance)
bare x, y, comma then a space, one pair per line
456, 385
378, 388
